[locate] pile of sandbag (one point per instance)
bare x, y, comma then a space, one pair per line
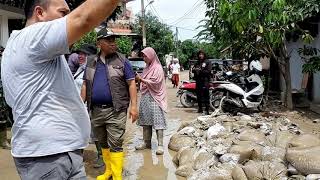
245, 147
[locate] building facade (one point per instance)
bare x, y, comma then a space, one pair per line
10, 10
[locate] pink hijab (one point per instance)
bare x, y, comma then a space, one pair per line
154, 79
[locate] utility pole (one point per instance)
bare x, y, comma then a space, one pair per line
144, 38
176, 42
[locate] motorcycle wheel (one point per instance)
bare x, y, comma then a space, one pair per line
263, 105
215, 99
186, 101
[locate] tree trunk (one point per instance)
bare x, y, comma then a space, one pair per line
284, 63
287, 78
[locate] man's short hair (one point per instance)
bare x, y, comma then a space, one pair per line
31, 4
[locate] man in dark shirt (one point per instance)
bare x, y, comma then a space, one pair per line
109, 87
202, 74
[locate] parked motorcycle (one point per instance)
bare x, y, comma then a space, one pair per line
247, 93
187, 93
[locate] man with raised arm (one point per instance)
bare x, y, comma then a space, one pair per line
51, 124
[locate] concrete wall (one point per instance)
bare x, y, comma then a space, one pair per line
4, 29
296, 66
316, 88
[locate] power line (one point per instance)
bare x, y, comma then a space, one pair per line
189, 12
155, 10
184, 28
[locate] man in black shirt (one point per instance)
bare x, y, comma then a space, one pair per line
202, 75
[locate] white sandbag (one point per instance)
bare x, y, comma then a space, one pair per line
273, 154
187, 131
313, 177
215, 130
305, 160
221, 173
201, 174
230, 158
183, 125
185, 162
204, 159
252, 135
245, 118
220, 149
304, 141
264, 170
238, 173
246, 152
179, 141
184, 171
280, 139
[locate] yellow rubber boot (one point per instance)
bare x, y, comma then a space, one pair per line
116, 160
106, 159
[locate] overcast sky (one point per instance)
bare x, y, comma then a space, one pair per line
185, 14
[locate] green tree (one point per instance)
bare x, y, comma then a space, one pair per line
210, 49
186, 51
124, 44
250, 28
89, 38
159, 35
311, 58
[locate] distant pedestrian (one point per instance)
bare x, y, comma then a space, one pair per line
165, 69
83, 53
175, 72
153, 104
73, 62
51, 124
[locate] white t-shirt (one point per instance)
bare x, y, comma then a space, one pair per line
49, 114
175, 68
79, 79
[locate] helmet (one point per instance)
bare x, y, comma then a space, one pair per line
255, 65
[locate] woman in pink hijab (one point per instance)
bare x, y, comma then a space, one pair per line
153, 103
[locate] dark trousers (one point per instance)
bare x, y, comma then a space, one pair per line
203, 97
66, 166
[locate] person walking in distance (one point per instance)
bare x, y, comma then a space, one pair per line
153, 104
51, 124
202, 74
175, 72
108, 88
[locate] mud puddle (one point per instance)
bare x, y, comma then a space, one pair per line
146, 165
